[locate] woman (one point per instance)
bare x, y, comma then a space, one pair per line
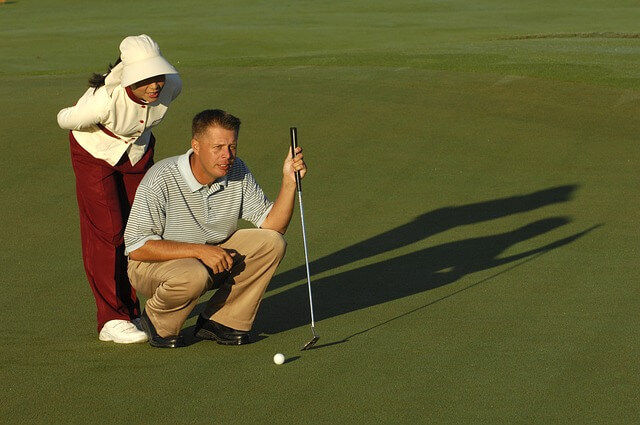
111, 148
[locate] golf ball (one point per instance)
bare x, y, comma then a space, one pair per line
278, 358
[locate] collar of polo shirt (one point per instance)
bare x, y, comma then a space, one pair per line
184, 167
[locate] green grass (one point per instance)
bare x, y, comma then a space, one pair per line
471, 209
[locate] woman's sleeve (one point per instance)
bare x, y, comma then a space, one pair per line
90, 110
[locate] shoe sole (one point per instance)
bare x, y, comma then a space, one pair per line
205, 334
109, 338
148, 332
175, 345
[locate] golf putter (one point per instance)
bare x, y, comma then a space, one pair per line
316, 337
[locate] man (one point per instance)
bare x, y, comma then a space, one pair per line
182, 237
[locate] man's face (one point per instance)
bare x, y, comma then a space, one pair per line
214, 153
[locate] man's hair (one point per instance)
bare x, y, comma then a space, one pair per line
213, 118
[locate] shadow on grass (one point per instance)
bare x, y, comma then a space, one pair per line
528, 256
412, 273
426, 225
402, 276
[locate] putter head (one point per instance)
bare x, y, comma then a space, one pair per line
311, 343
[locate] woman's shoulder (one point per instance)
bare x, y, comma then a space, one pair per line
94, 98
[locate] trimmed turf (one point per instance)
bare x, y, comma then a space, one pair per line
471, 209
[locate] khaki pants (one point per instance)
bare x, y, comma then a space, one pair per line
173, 287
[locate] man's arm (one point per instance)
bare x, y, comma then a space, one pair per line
146, 224
216, 258
282, 210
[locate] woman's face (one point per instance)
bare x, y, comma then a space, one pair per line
149, 89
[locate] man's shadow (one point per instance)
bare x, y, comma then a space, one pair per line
411, 273
402, 276
426, 225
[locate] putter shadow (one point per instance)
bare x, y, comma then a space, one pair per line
412, 273
485, 280
330, 344
403, 276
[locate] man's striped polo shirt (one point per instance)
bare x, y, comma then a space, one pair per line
171, 204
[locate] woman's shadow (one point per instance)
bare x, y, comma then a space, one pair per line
429, 224
413, 273
402, 276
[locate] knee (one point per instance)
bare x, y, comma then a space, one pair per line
192, 278
274, 243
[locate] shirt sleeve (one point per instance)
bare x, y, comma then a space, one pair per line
90, 110
147, 219
255, 205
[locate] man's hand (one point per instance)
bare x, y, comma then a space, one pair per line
217, 259
280, 214
291, 165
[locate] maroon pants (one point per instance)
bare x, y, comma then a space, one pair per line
105, 194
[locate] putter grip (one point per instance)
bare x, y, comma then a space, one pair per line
294, 145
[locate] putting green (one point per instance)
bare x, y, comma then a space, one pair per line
471, 211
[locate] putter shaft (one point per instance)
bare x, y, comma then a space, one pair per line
294, 145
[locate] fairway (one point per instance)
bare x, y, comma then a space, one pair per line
471, 209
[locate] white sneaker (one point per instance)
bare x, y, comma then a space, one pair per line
121, 332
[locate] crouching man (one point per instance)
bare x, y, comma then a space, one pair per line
182, 237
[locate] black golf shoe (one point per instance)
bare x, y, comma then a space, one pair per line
208, 329
156, 340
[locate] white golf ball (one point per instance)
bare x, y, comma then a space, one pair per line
278, 358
